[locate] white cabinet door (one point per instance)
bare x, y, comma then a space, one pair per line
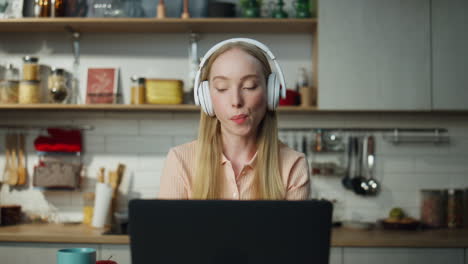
336, 255
374, 54
466, 255
118, 253
35, 253
450, 54
403, 256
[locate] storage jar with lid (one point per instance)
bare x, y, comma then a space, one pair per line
30, 68
9, 86
433, 208
455, 208
138, 93
29, 92
57, 86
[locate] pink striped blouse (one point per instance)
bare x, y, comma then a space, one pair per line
179, 172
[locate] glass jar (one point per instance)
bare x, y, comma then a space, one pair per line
455, 208
433, 208
465, 208
30, 68
29, 92
88, 207
138, 90
9, 92
9, 86
57, 86
45, 8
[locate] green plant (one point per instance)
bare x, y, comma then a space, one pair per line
245, 3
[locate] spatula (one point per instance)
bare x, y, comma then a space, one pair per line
22, 171
12, 171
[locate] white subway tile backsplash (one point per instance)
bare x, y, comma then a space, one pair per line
94, 144
441, 164
141, 141
168, 127
395, 163
146, 179
138, 144
58, 198
105, 127
150, 162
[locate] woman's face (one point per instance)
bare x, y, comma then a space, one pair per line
238, 92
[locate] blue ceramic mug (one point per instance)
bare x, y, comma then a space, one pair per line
76, 256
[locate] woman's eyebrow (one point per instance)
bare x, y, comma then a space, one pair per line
243, 78
249, 76
220, 77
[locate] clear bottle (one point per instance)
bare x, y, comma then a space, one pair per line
57, 86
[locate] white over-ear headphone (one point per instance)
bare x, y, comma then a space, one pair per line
275, 84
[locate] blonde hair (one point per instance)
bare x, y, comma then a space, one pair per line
208, 184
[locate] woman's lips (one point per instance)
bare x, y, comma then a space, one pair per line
239, 119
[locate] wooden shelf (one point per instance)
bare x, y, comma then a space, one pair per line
193, 108
125, 107
167, 25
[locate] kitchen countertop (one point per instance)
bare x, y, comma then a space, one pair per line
341, 237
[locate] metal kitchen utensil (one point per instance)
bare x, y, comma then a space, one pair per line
372, 183
333, 140
359, 182
347, 180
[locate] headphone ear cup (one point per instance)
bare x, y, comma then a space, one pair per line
273, 91
205, 99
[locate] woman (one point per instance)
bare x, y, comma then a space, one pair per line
237, 154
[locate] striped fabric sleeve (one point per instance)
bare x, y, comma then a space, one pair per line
299, 181
172, 184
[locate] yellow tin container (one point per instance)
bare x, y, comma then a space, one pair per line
164, 91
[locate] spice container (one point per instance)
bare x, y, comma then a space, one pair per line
433, 208
30, 68
88, 207
138, 93
455, 208
164, 91
9, 92
465, 208
57, 87
29, 92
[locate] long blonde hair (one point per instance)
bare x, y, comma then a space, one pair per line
208, 184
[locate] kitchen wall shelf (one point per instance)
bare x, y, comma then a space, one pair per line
167, 25
125, 107
193, 108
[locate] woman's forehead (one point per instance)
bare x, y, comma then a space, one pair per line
235, 62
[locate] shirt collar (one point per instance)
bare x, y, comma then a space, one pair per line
251, 162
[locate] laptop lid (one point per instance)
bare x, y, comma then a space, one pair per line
205, 232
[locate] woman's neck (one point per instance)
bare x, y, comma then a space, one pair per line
238, 150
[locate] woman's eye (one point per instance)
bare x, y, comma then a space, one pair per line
250, 87
220, 89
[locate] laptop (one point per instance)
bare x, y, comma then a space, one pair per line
224, 232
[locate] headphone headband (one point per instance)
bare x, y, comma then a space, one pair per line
254, 42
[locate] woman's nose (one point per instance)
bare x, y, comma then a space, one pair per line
236, 98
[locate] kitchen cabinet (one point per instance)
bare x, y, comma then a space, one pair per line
449, 53
403, 255
466, 255
119, 253
374, 55
35, 253
336, 255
